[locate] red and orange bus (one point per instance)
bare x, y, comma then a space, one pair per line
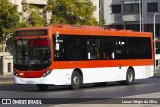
75, 55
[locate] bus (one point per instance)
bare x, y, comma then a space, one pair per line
75, 55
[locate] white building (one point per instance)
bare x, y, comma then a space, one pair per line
21, 3
42, 3
21, 7
8, 65
125, 14
97, 12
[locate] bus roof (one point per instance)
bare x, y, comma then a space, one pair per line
67, 29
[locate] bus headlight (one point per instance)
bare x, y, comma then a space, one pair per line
47, 73
15, 74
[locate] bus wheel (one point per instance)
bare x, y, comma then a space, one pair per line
130, 77
42, 87
100, 84
76, 81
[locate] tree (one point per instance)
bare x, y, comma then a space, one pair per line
9, 18
102, 22
75, 12
35, 18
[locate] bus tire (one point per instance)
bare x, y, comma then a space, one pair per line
76, 81
130, 77
42, 87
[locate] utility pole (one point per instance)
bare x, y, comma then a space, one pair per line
140, 16
154, 30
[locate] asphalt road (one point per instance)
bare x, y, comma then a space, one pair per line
145, 88
111, 90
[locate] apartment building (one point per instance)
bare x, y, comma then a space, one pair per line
96, 14
125, 14
22, 8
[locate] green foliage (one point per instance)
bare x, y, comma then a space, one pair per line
102, 22
35, 19
9, 17
23, 24
75, 12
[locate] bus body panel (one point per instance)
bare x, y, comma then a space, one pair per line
90, 75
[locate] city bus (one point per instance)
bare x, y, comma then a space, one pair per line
75, 55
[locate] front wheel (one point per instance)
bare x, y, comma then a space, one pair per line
76, 81
42, 87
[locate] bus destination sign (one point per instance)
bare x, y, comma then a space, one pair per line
31, 32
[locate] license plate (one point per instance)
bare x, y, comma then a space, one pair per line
29, 82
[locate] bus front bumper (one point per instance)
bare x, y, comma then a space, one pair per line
54, 78
42, 80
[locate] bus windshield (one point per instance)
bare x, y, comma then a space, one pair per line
32, 52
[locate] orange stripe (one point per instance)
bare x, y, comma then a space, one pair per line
100, 63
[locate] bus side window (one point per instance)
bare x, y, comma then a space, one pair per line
75, 49
107, 48
93, 48
121, 48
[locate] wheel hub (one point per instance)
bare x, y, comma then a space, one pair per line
130, 77
76, 80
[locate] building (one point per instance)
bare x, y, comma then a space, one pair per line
125, 14
8, 65
22, 8
96, 14
20, 3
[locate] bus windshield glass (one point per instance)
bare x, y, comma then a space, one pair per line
32, 52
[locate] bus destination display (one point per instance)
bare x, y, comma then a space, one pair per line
31, 33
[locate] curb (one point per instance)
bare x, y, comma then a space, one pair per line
8, 82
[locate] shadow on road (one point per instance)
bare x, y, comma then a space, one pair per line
33, 88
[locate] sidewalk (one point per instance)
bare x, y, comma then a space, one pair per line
8, 79
157, 73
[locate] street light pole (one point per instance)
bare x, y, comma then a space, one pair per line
154, 34
140, 16
4, 46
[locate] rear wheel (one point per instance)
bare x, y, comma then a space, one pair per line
42, 87
76, 81
130, 77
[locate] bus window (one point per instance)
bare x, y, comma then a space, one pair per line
120, 48
32, 52
69, 48
139, 48
93, 48
107, 48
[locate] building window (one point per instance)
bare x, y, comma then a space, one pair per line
131, 8
152, 7
133, 27
116, 8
